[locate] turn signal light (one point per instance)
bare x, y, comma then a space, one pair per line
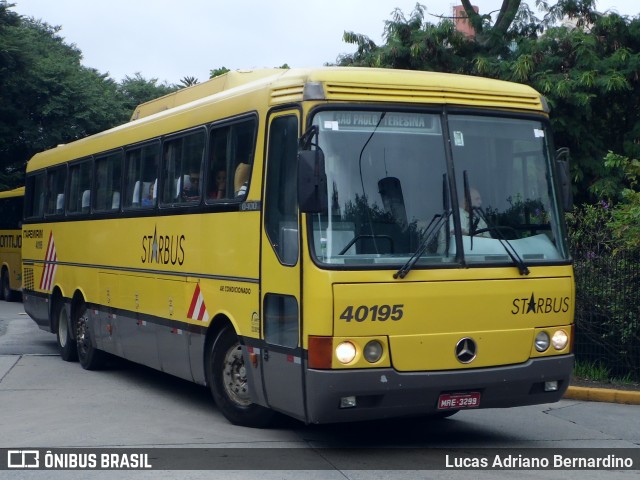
320, 352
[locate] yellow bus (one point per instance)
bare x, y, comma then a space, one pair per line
334, 244
11, 206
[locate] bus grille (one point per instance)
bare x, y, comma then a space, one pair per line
27, 281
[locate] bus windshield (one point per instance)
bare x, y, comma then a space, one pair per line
391, 197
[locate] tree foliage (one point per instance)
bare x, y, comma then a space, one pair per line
188, 81
587, 68
137, 89
48, 97
216, 72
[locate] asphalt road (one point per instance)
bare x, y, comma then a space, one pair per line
46, 403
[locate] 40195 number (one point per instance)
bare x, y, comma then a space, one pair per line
374, 313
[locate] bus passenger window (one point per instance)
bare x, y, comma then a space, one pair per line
217, 177
181, 165
141, 172
35, 197
56, 179
108, 179
79, 188
230, 159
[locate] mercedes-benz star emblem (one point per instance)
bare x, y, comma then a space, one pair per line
466, 350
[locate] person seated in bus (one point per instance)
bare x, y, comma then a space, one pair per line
191, 190
465, 222
465, 217
241, 180
218, 188
148, 198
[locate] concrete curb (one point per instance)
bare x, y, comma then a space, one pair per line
610, 395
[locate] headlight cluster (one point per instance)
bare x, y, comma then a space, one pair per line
346, 352
559, 340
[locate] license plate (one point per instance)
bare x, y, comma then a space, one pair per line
448, 401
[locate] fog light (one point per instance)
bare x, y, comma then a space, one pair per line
542, 341
551, 386
345, 352
372, 351
348, 402
560, 340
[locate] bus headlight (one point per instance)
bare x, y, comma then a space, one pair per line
373, 351
560, 339
345, 352
542, 341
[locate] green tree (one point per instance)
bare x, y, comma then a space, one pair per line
216, 72
46, 96
188, 81
587, 69
137, 89
625, 224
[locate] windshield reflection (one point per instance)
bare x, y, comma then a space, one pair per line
389, 183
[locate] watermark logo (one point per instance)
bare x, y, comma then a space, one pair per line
23, 459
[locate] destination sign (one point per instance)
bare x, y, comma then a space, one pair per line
367, 121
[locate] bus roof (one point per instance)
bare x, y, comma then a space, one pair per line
210, 87
269, 87
16, 192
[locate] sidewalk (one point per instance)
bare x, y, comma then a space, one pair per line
610, 395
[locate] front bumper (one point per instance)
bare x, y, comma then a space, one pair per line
387, 393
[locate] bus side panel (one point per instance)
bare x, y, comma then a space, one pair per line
105, 315
197, 344
36, 304
134, 334
37, 307
10, 258
171, 336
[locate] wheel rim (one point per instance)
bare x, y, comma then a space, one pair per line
234, 377
63, 327
82, 335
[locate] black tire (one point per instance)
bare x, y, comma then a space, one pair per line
66, 344
229, 388
6, 293
89, 356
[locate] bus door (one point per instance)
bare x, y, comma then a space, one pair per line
282, 366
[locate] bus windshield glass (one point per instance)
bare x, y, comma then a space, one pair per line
391, 199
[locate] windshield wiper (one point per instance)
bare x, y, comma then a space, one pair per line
511, 251
432, 229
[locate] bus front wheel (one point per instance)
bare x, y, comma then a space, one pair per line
90, 357
227, 380
66, 345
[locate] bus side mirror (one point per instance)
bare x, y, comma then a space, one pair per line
564, 176
312, 182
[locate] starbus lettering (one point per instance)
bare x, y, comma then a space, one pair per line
163, 249
524, 306
10, 241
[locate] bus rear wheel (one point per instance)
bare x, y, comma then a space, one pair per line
90, 357
6, 293
227, 380
2, 290
66, 345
